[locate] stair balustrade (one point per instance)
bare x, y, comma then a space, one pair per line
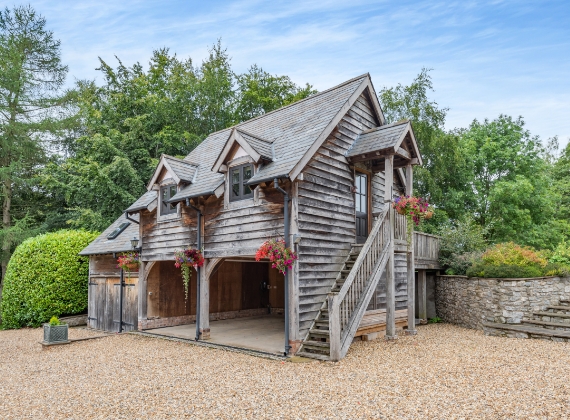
346, 307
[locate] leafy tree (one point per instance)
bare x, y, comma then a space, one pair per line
445, 173
31, 110
511, 182
137, 115
261, 92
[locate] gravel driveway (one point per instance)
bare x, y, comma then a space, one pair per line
445, 372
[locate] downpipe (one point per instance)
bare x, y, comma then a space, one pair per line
286, 232
198, 270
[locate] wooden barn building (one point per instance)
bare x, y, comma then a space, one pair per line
321, 173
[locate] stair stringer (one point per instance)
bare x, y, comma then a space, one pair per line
356, 318
324, 305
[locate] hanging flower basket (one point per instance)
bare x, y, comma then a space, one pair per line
281, 257
129, 261
415, 209
184, 259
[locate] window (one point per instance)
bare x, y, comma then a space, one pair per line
239, 175
118, 230
166, 193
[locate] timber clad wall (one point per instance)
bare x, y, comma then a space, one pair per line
240, 231
162, 238
326, 216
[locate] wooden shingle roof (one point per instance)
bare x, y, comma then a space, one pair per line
143, 202
293, 131
122, 243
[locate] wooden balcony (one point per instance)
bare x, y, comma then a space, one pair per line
426, 246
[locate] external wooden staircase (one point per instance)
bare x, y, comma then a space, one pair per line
553, 323
338, 319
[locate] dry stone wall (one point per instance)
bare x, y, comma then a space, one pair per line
469, 301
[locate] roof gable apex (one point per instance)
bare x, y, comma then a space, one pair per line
298, 168
161, 165
237, 137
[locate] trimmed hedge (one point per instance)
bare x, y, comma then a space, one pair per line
45, 277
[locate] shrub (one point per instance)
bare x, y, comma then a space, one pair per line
45, 277
509, 260
510, 253
460, 246
561, 254
503, 271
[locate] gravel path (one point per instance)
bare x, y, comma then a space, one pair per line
445, 372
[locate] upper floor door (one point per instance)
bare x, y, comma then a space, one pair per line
361, 207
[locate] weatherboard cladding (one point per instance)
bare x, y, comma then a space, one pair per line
292, 130
121, 243
143, 202
378, 139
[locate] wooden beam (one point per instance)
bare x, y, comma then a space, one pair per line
403, 153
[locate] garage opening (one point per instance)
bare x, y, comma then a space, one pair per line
246, 304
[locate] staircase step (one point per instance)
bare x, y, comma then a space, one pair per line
322, 323
528, 329
323, 333
551, 314
312, 355
317, 344
559, 307
546, 323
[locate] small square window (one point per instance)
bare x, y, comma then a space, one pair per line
166, 193
239, 176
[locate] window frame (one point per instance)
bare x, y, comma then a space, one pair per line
240, 168
170, 209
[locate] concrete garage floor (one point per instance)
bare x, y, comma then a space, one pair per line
265, 333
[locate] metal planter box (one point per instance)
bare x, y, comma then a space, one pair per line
55, 333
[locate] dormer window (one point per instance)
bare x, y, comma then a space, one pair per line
239, 175
166, 193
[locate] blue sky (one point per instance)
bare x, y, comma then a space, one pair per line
488, 57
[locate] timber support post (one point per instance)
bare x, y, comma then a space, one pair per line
334, 327
411, 277
204, 302
142, 295
390, 278
422, 295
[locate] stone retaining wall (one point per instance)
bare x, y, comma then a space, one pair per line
470, 301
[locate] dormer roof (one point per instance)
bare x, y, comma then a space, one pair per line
180, 170
257, 148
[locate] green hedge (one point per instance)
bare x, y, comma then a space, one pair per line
45, 278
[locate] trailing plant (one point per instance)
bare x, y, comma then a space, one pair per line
54, 321
415, 209
281, 257
129, 261
184, 259
46, 277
